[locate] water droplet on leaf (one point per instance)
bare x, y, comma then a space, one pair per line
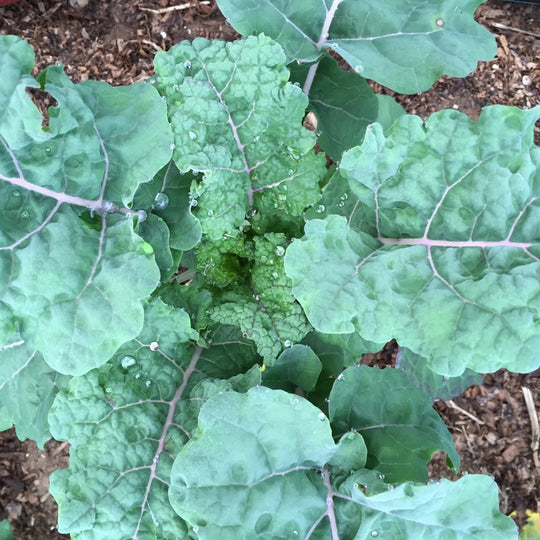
25, 214
148, 383
194, 202
161, 201
16, 193
141, 216
321, 208
280, 250
172, 147
154, 346
147, 249
374, 533
192, 135
321, 417
187, 64
128, 361
288, 343
210, 213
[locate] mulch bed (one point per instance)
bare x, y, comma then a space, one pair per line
115, 41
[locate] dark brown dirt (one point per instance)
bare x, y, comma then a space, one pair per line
115, 41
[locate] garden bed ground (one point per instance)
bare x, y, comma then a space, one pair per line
115, 41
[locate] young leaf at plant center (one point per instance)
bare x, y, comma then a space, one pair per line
467, 509
266, 488
27, 389
297, 366
395, 418
406, 46
344, 105
433, 384
452, 271
264, 308
237, 119
86, 301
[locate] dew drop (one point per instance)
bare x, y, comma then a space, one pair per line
58, 63
445, 377
25, 214
321, 208
321, 417
280, 250
137, 375
16, 193
192, 135
108, 390
161, 201
194, 202
154, 346
439, 22
381, 476
147, 249
275, 275
48, 149
210, 213
295, 533
287, 343
128, 361
341, 204
148, 383
291, 172
340, 377
141, 215
187, 64
344, 197
175, 87
359, 68
374, 533
173, 146
334, 46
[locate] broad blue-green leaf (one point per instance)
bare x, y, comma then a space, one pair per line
451, 270
351, 452
344, 105
433, 384
395, 418
268, 486
124, 421
167, 196
5, 530
237, 119
73, 272
127, 420
405, 45
27, 389
466, 510
295, 366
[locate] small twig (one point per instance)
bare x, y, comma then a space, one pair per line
533, 415
172, 8
504, 27
466, 413
56, 451
151, 44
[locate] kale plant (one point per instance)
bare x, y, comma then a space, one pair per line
187, 289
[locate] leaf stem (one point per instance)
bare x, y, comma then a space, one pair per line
330, 503
323, 38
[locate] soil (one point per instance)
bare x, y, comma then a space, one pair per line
115, 41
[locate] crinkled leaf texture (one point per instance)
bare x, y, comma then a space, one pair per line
127, 420
396, 419
236, 118
448, 258
27, 389
73, 272
274, 482
405, 45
